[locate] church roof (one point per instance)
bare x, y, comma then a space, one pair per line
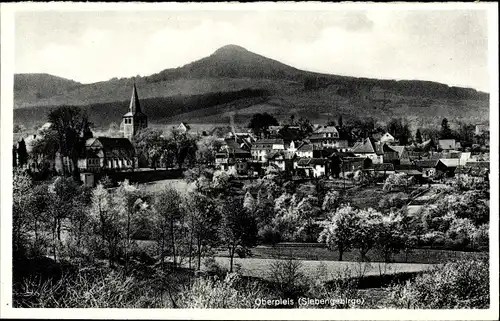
134, 108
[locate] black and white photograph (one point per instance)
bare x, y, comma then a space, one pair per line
173, 160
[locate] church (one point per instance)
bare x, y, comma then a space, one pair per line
135, 119
104, 154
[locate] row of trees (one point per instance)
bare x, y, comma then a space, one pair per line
65, 219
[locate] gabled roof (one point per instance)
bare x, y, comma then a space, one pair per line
311, 161
367, 146
448, 162
387, 167
112, 147
425, 163
270, 141
399, 149
326, 129
387, 136
276, 154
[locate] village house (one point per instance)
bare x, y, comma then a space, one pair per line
352, 164
101, 154
480, 129
233, 157
410, 170
426, 166
327, 136
390, 155
311, 167
368, 149
279, 160
447, 144
263, 147
183, 127
447, 166
387, 139
403, 155
306, 150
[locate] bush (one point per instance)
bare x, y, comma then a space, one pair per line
216, 293
288, 278
456, 285
212, 267
95, 289
269, 235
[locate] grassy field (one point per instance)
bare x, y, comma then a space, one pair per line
260, 267
420, 256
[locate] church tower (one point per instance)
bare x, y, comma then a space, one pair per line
135, 119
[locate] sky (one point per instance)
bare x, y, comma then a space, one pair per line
449, 46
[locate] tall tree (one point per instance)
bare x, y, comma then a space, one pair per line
445, 130
340, 123
259, 124
105, 218
149, 143
400, 130
22, 153
183, 147
305, 127
168, 219
418, 136
202, 221
14, 156
338, 230
44, 148
70, 123
131, 202
238, 228
21, 193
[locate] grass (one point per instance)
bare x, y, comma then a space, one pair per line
254, 267
317, 253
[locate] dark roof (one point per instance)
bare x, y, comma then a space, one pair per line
276, 154
311, 161
448, 162
425, 163
383, 167
259, 144
115, 147
367, 146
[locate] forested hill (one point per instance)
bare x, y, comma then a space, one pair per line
232, 69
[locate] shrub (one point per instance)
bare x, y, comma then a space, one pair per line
216, 293
288, 278
94, 289
269, 235
456, 285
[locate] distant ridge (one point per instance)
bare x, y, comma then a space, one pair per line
232, 69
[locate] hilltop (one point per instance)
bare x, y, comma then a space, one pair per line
282, 88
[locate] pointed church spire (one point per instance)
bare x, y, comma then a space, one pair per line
135, 107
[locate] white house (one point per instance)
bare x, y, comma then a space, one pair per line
263, 147
368, 148
315, 167
387, 138
447, 144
